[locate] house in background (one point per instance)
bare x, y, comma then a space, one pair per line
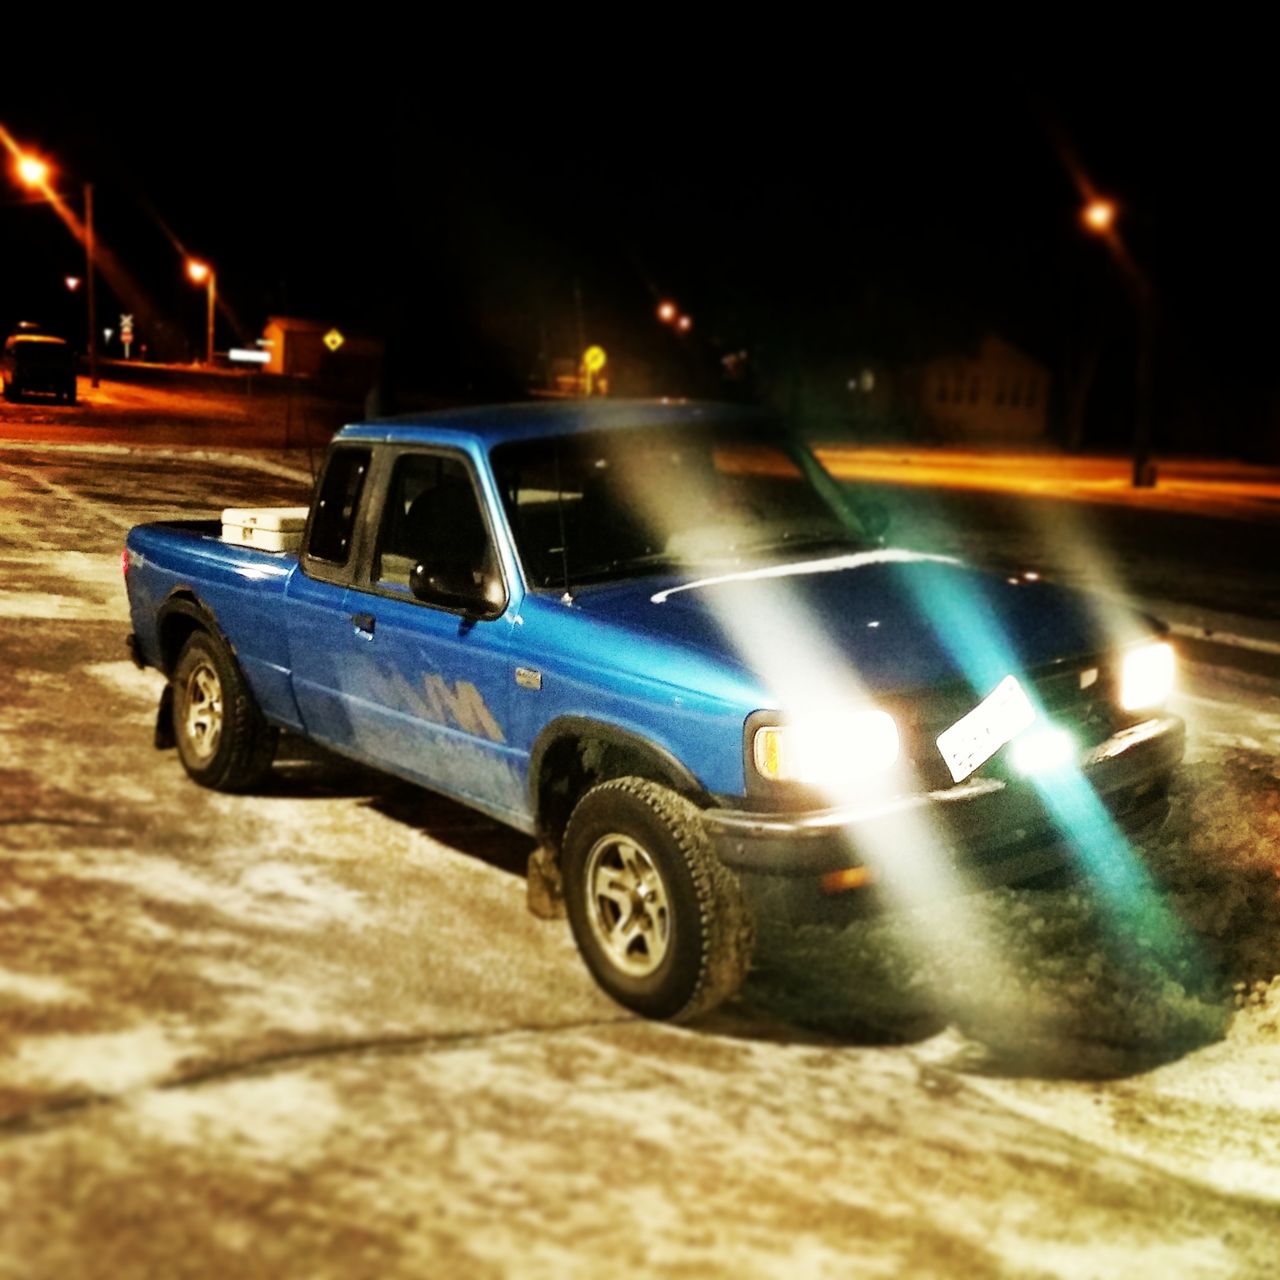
996, 396
988, 394
305, 348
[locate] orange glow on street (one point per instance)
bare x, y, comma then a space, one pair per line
1206, 486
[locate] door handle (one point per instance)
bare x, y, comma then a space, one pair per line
363, 623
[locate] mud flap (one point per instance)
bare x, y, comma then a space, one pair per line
164, 739
545, 890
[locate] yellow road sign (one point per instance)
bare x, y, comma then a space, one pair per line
594, 359
333, 339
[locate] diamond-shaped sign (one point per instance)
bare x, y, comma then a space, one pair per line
333, 339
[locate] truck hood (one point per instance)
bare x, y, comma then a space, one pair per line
900, 619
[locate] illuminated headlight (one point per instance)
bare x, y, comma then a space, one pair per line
827, 749
1045, 749
1146, 677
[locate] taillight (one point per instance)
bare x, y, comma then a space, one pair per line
124, 561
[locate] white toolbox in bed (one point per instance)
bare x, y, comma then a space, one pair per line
267, 528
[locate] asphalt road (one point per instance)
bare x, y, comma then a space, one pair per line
313, 1031
246, 416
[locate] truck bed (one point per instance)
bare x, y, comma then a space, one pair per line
244, 587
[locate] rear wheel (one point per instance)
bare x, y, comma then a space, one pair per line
659, 921
223, 740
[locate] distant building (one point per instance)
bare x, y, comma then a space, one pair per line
997, 396
989, 394
299, 347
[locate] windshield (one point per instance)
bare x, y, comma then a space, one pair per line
37, 351
590, 508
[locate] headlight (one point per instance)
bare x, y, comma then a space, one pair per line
1146, 677
827, 749
1043, 750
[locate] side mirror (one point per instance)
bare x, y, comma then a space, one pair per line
451, 587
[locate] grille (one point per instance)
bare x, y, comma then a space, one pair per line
1090, 712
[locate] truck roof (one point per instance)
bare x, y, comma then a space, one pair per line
28, 339
491, 425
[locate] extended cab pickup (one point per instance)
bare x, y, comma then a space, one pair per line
663, 640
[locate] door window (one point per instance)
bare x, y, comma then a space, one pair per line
433, 518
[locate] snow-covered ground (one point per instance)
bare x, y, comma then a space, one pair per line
314, 1032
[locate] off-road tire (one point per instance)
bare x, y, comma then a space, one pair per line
696, 953
223, 740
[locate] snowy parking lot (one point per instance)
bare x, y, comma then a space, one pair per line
313, 1031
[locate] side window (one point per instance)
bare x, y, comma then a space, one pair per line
336, 504
432, 517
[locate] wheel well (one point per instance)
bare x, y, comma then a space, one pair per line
182, 615
575, 761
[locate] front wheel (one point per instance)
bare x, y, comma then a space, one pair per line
659, 921
223, 740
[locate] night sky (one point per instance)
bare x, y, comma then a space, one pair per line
834, 213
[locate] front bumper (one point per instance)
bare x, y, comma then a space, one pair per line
997, 831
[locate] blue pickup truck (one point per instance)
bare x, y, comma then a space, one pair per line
662, 639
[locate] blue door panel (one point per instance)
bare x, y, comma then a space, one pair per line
430, 694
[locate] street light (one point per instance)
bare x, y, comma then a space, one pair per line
34, 172
1099, 216
671, 314
203, 273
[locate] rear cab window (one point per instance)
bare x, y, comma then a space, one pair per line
327, 552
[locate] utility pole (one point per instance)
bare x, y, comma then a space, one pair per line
89, 256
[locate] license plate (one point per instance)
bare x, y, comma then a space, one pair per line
978, 735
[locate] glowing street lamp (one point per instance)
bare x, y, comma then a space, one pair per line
1099, 216
32, 171
35, 173
203, 273
671, 314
